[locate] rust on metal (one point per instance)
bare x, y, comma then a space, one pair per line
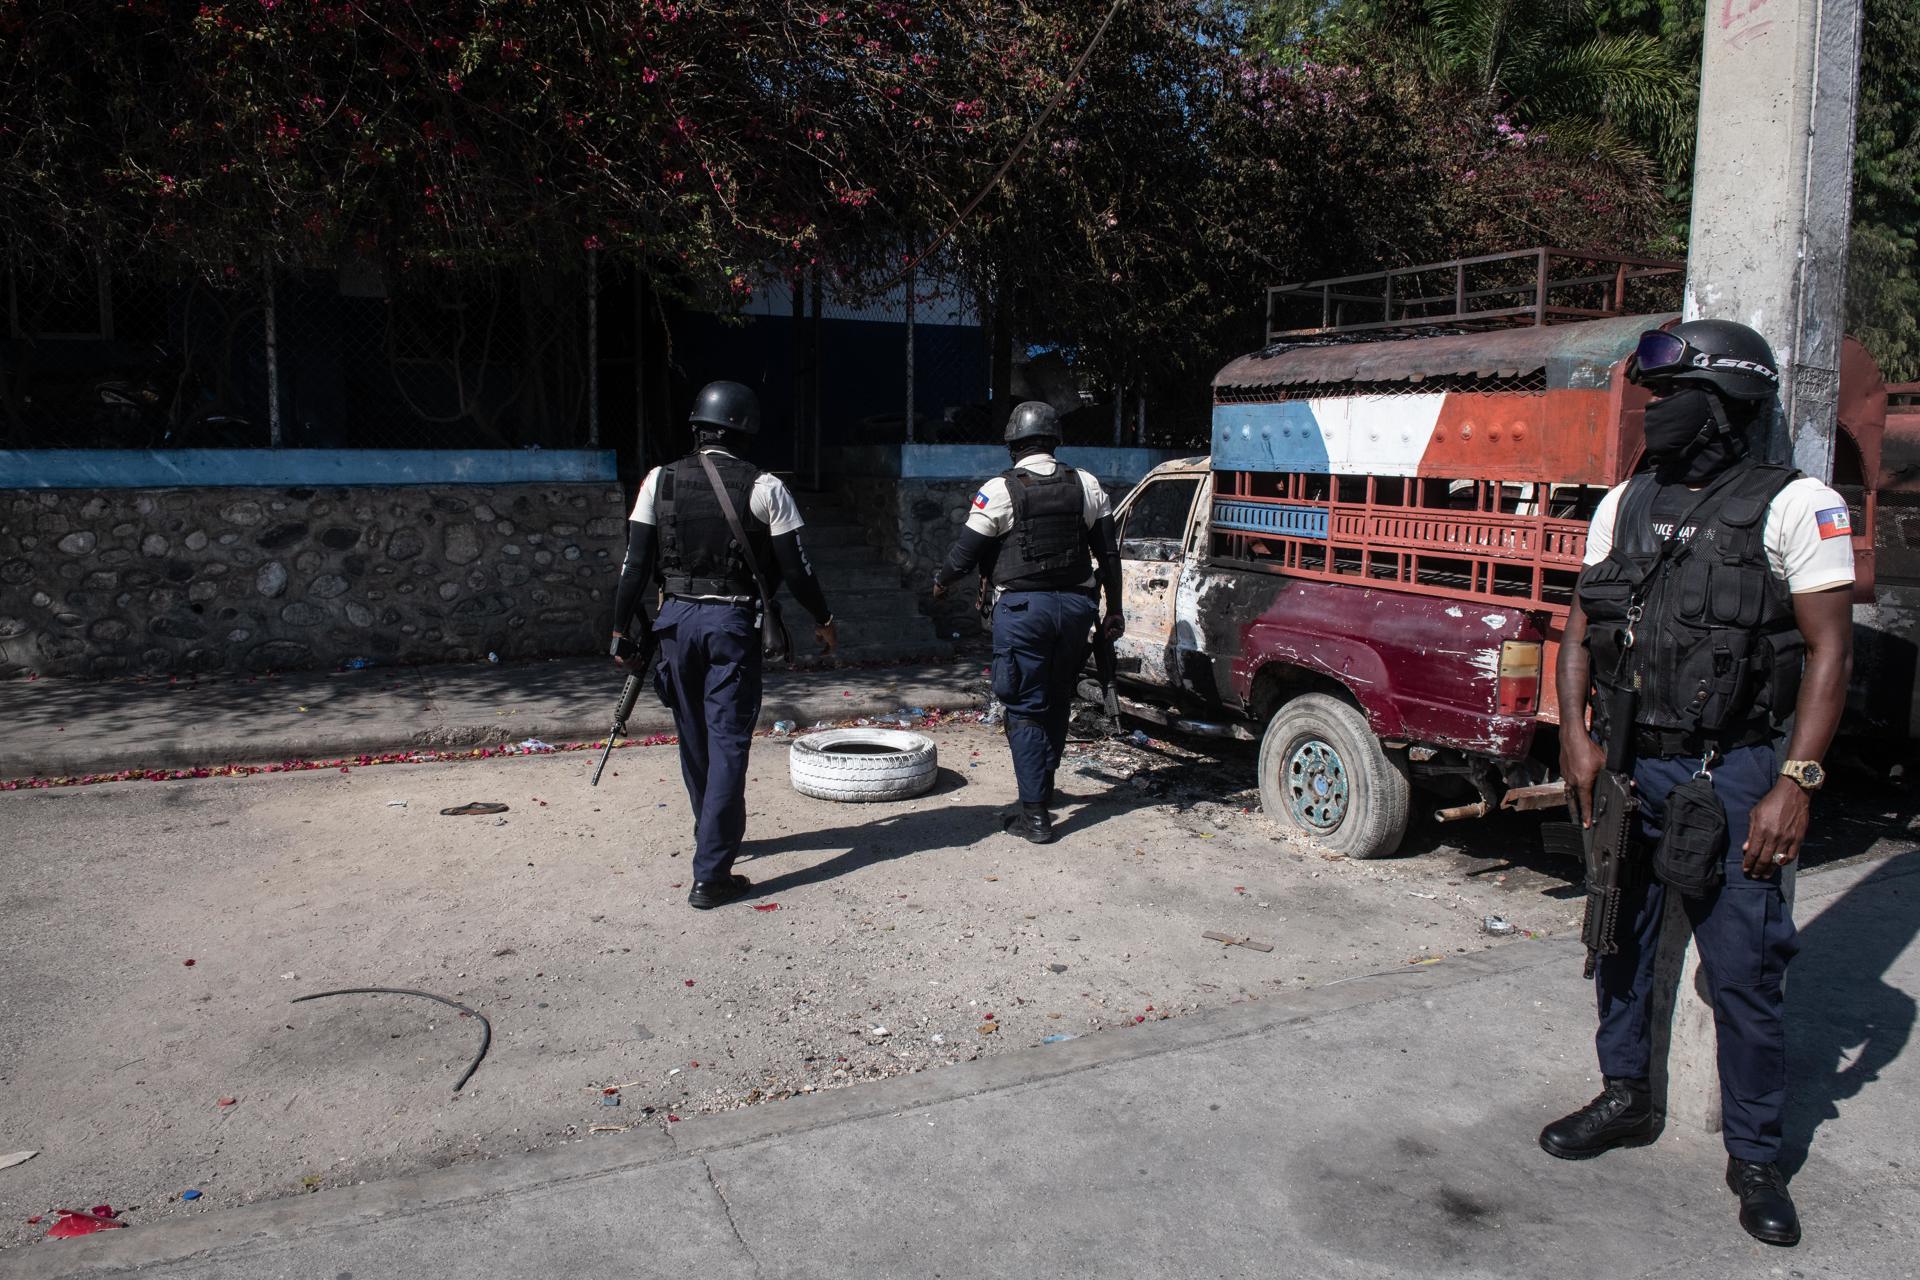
1571, 356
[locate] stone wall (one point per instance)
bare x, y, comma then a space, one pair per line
128, 581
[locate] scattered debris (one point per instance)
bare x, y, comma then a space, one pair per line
1057, 968
1498, 926
486, 1028
396, 804
18, 1157
79, 1222
188, 962
533, 746
1429, 896
766, 906
782, 728
1058, 1037
190, 1194
988, 1028
473, 808
1229, 940
229, 1102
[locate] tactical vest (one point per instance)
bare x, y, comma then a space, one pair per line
698, 554
1716, 651
1047, 547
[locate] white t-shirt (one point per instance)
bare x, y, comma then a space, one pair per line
1807, 535
992, 512
771, 504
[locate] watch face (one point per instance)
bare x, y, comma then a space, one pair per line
1813, 774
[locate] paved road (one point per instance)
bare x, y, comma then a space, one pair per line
1381, 1127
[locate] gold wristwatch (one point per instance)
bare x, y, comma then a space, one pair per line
1809, 774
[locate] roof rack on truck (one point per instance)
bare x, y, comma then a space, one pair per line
1537, 286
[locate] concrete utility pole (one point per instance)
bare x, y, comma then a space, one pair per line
1773, 195
1772, 200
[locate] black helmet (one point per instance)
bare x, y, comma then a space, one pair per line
1722, 354
727, 405
1032, 420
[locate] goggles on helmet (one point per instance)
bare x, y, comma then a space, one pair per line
1662, 354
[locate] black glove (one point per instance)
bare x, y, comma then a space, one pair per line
1113, 626
622, 648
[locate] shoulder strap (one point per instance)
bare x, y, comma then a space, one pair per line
739, 532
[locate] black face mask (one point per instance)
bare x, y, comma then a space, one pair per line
1687, 442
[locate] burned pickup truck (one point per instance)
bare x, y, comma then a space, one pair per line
1371, 571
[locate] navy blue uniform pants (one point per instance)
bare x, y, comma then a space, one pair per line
709, 677
1745, 935
1040, 642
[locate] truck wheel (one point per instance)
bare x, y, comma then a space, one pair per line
1325, 775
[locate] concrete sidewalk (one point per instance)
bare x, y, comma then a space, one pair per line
62, 727
1383, 1126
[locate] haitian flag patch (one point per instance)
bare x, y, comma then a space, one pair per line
980, 502
1833, 522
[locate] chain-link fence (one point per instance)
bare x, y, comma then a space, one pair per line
346, 358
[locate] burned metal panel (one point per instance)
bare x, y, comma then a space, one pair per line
1574, 356
1420, 668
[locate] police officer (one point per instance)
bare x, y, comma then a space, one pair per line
710, 658
1037, 528
1740, 628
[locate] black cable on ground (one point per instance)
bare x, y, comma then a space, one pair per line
486, 1028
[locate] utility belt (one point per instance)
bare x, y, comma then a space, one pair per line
716, 597
1091, 593
1651, 742
696, 588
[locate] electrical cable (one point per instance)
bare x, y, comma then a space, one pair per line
486, 1028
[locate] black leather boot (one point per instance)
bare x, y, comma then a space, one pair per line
1620, 1117
1033, 822
1766, 1210
708, 894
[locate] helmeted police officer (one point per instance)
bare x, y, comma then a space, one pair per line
1716, 602
1039, 526
710, 658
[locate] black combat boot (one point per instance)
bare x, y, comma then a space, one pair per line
1620, 1117
1766, 1210
1033, 822
708, 894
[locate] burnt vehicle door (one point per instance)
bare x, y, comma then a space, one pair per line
1156, 547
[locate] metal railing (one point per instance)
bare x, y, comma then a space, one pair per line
1538, 286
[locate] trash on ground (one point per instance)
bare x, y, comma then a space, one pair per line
473, 808
17, 1157
190, 1194
766, 906
610, 1100
1421, 960
1057, 968
988, 1028
396, 804
229, 1102
534, 746
1428, 896
357, 664
493, 657
1058, 1037
1230, 940
781, 728
1139, 738
188, 962
78, 1222
1498, 926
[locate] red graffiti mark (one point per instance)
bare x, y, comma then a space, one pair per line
1732, 11
1747, 35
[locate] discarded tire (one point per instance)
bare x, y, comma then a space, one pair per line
861, 765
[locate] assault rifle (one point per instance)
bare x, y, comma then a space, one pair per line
1609, 841
629, 695
1106, 665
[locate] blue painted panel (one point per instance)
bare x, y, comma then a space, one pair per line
1268, 437
275, 468
1286, 521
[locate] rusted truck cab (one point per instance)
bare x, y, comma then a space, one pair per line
1371, 570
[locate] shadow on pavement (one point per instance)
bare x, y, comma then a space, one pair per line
1845, 1022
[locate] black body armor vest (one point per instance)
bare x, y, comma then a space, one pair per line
1047, 548
1716, 652
698, 556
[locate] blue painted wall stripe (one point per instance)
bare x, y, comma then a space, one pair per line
280, 468
1268, 437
